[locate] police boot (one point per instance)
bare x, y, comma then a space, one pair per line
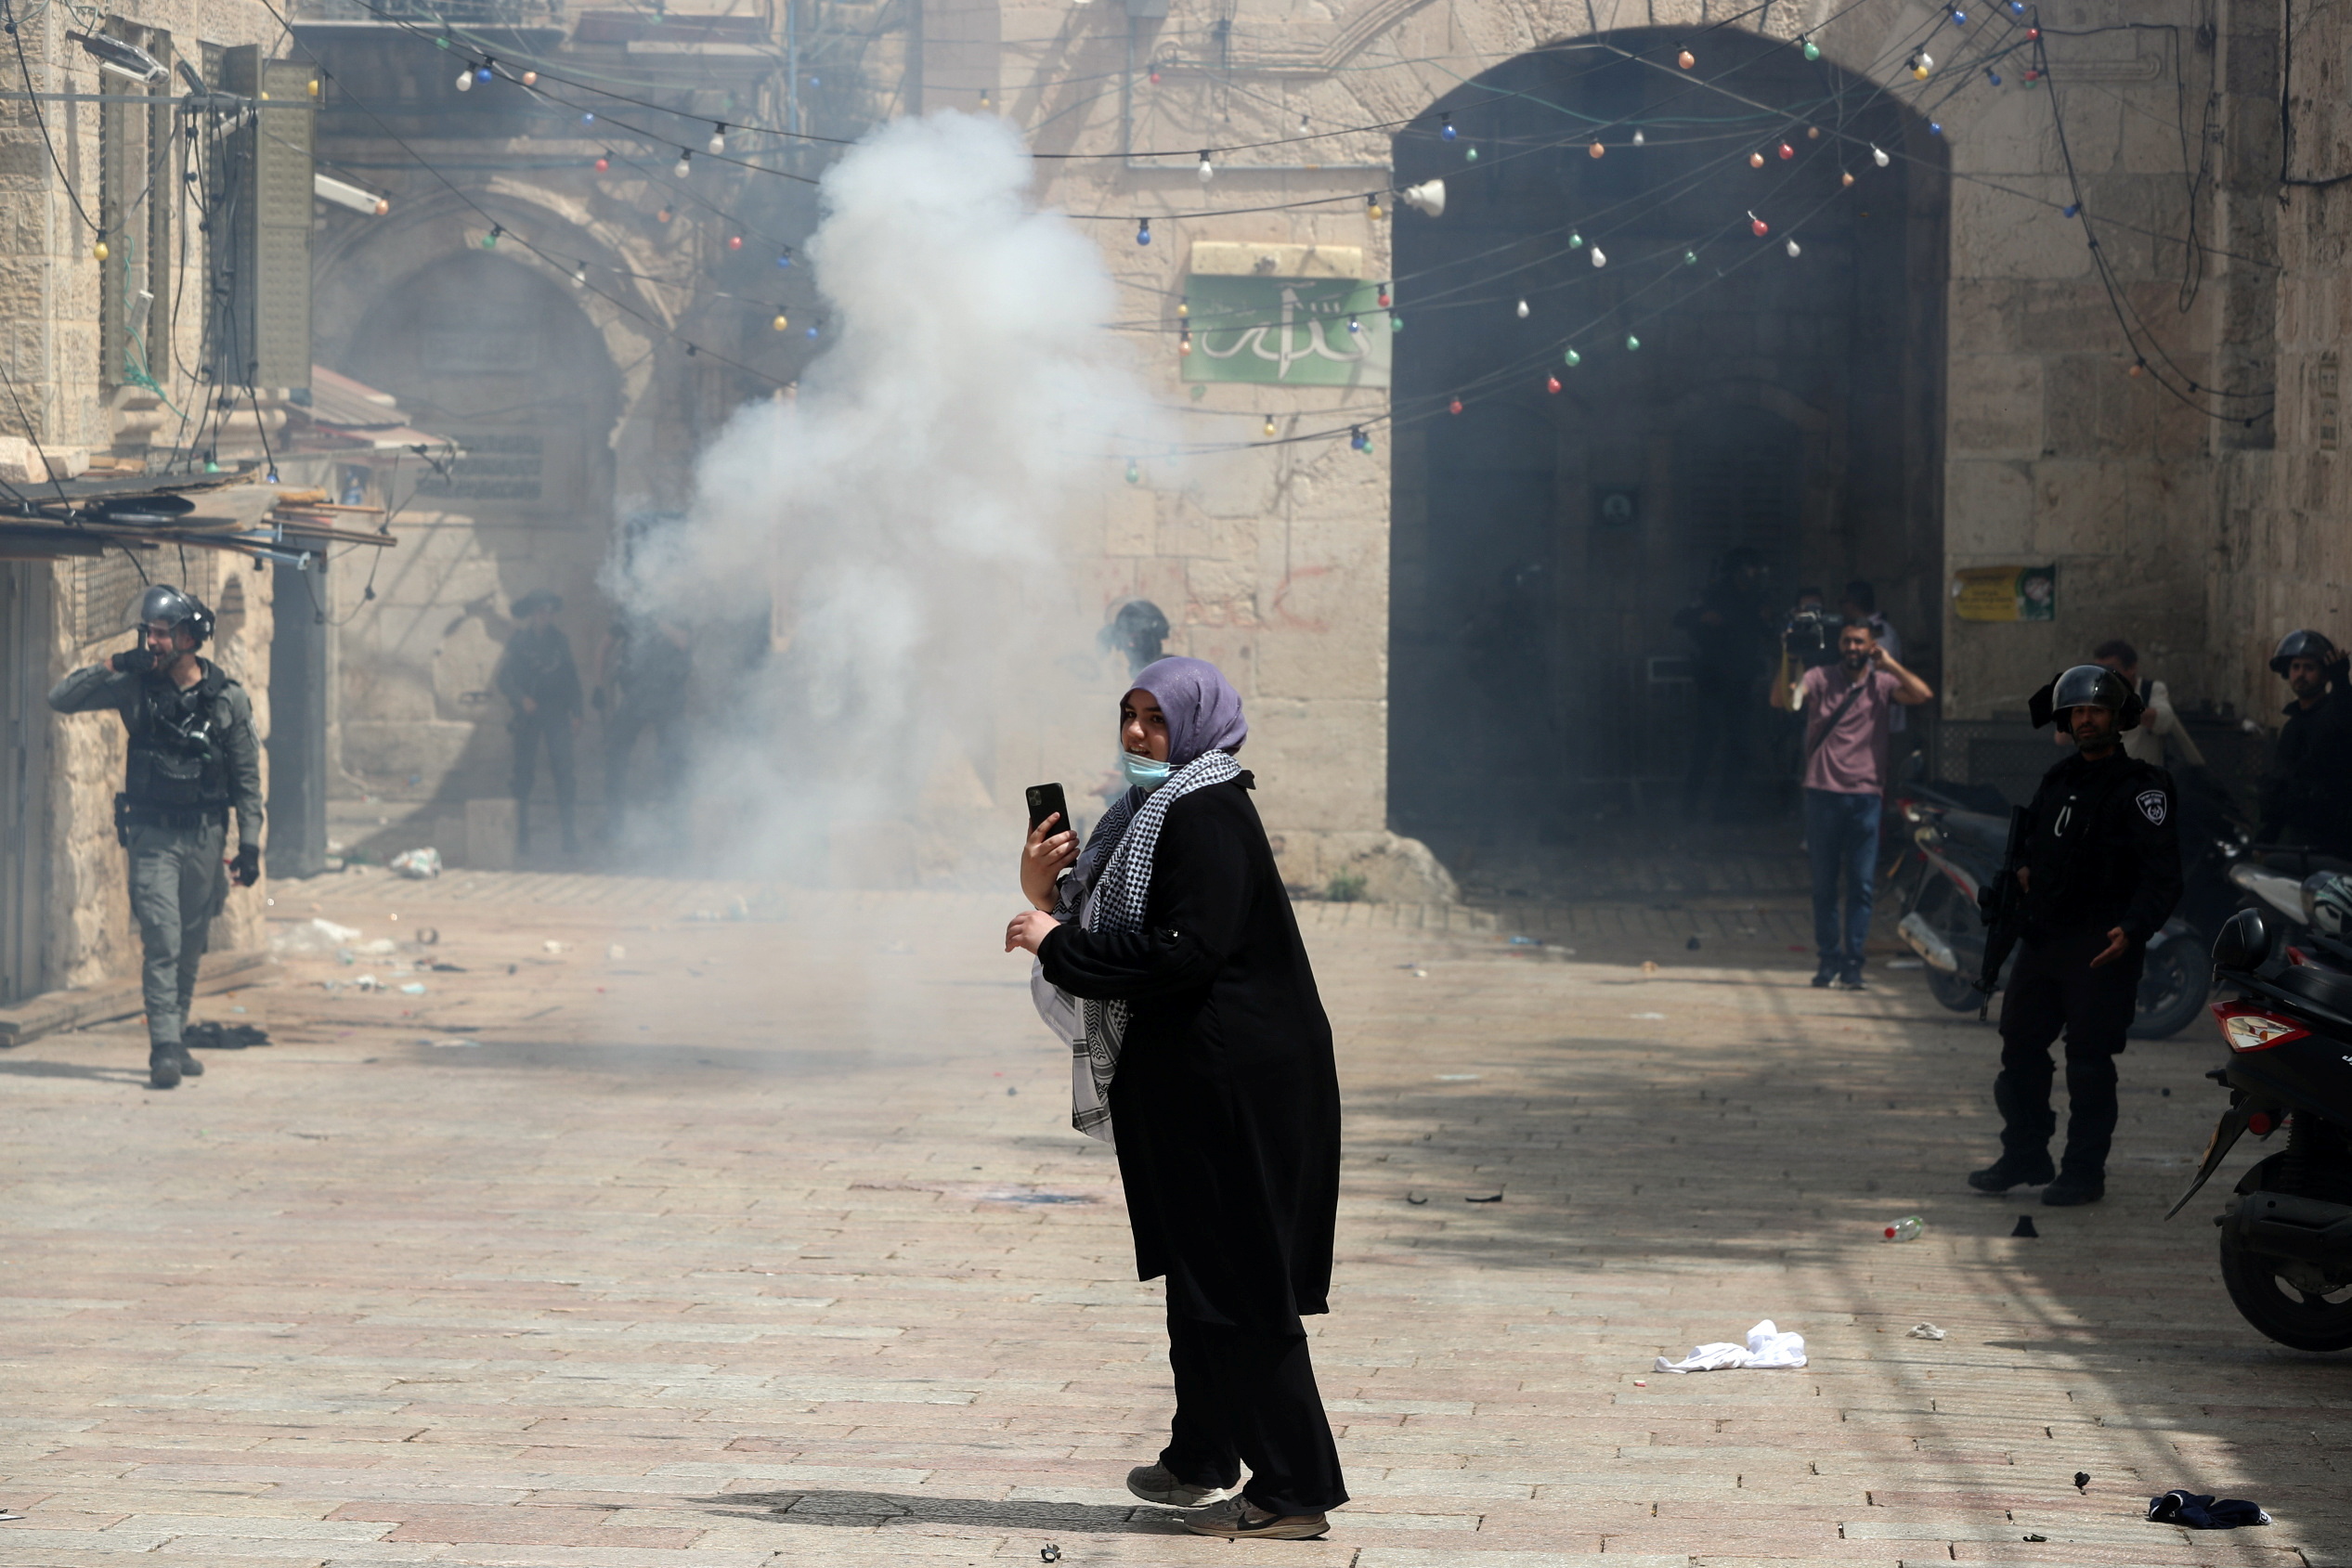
2090, 1128
162, 1065
189, 1066
2025, 1141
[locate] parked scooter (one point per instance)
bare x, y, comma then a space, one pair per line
2283, 883
2286, 1233
1958, 834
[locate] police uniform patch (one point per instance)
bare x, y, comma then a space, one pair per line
2152, 805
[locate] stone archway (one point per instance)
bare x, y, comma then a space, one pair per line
496, 355
1716, 391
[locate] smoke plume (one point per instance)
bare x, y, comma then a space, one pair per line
906, 517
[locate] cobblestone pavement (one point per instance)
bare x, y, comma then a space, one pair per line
719, 1243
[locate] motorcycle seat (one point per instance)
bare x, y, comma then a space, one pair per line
1978, 828
2330, 989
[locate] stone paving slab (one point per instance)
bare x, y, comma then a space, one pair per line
766, 1242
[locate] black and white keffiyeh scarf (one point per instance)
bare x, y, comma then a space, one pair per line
1107, 892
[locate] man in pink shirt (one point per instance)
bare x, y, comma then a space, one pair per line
1848, 708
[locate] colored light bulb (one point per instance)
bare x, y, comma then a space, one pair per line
1878, 155
1268, 427
1470, 155
1523, 310
1576, 241
1572, 359
1445, 128
465, 80
1686, 59
684, 165
1596, 150
1757, 227
1552, 384
1639, 139
1395, 323
734, 241
1632, 343
717, 138
1143, 232
1208, 170
1600, 258
1813, 50
1795, 249
1135, 472
483, 75
531, 79
1787, 152
781, 323
1454, 407
603, 164
100, 251
1755, 159
1845, 178
1354, 325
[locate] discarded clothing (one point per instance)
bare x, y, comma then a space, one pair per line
1766, 1347
2201, 1511
1923, 1331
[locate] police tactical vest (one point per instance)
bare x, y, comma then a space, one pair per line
179, 745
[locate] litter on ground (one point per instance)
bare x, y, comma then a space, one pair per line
1766, 1347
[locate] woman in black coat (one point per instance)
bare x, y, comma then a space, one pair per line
1199, 1038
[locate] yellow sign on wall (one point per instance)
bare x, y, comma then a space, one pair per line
2004, 594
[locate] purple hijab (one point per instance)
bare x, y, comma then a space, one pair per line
1204, 712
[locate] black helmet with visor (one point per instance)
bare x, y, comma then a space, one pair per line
2307, 645
2087, 685
162, 605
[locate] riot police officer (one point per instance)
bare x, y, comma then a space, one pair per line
2100, 875
2307, 799
193, 760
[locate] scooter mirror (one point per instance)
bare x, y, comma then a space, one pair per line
2244, 941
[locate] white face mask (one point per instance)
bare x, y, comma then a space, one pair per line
1142, 771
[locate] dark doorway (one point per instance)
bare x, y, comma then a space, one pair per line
1714, 392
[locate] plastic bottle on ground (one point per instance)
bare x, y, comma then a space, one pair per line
1908, 1228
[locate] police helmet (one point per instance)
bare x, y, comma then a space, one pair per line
2326, 904
170, 606
2087, 685
2307, 645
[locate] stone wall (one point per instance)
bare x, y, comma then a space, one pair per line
2053, 451
2282, 555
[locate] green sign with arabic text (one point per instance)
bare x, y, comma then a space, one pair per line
1286, 331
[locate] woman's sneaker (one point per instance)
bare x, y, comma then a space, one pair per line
1237, 1519
1153, 1483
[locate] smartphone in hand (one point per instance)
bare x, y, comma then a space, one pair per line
1047, 800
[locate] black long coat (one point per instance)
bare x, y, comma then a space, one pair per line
1225, 1104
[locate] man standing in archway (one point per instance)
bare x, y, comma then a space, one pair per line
1849, 709
537, 676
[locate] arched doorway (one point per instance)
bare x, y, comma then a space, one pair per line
1714, 391
502, 360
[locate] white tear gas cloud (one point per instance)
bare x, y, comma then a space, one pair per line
910, 512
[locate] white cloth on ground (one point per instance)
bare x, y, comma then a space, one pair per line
1766, 1346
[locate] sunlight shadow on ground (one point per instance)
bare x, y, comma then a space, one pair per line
866, 1511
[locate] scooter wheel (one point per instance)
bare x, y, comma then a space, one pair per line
2173, 988
2280, 1307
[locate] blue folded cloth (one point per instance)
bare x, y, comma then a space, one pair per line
2202, 1511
